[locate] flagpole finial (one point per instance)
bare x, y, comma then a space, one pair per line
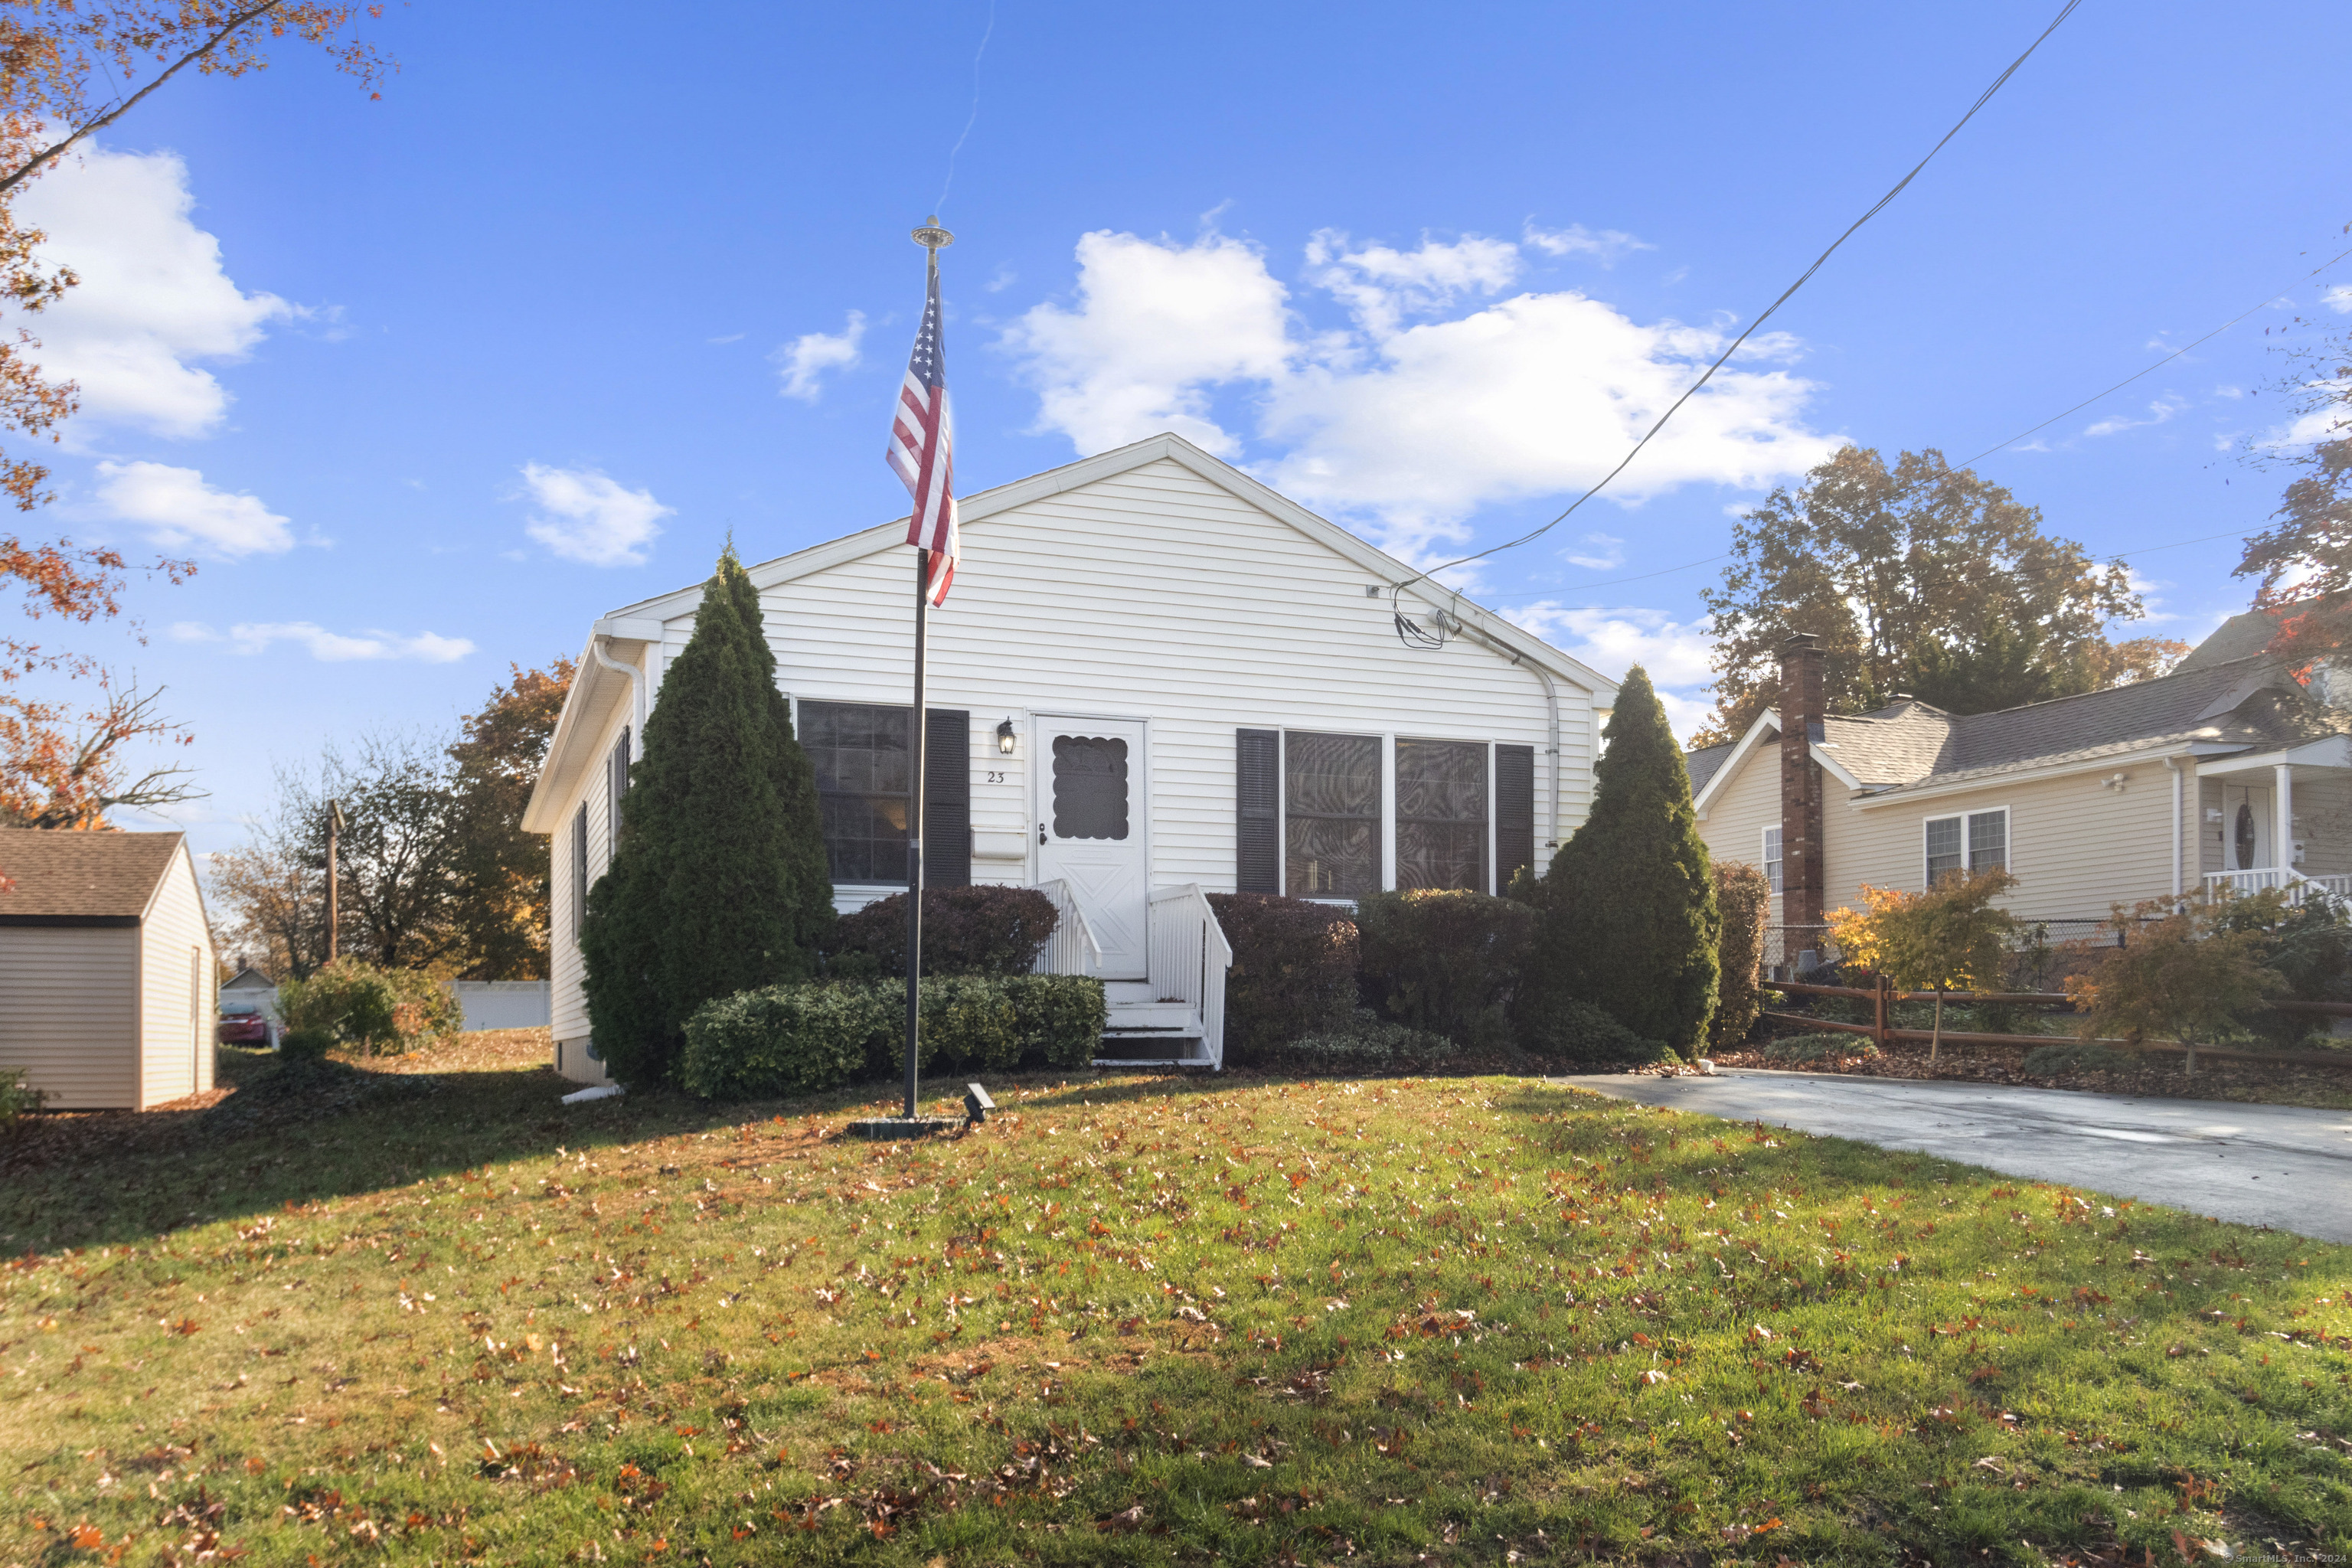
931, 237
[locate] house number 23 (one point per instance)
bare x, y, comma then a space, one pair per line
995, 778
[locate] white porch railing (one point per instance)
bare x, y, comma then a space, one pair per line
1185, 956
2263, 879
1072, 949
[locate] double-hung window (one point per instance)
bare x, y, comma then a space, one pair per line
1978, 841
1331, 813
1441, 831
864, 777
1772, 856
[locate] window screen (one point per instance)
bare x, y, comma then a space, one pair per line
1772, 858
1988, 841
1944, 856
1441, 815
1331, 800
1089, 786
864, 775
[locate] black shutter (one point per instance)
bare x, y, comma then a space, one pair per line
1257, 811
947, 802
1515, 812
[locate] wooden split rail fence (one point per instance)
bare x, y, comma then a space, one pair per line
1882, 1031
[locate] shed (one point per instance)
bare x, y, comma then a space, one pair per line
107, 964
249, 990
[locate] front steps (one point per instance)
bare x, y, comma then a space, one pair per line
1143, 1031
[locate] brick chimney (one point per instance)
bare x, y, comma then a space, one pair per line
1801, 853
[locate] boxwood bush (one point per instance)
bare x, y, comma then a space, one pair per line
1292, 974
1444, 963
806, 1037
966, 930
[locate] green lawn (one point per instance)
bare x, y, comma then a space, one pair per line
1133, 1321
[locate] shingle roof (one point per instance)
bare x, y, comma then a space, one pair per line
81, 879
2249, 702
2240, 637
1702, 764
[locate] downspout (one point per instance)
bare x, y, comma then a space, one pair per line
1551, 711
636, 697
2173, 767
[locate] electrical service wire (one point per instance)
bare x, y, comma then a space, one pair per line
1413, 634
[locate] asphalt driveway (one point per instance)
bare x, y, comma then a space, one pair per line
2279, 1165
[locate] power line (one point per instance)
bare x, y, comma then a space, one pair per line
1412, 633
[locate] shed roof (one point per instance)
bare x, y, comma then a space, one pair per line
66, 878
249, 979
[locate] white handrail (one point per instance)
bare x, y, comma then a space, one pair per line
1185, 956
2264, 879
1072, 949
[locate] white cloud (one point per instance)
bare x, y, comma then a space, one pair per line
1605, 246
2338, 299
807, 357
1606, 555
1676, 654
587, 517
1414, 416
332, 647
178, 509
727, 338
2160, 411
153, 298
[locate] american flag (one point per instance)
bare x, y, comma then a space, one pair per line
922, 449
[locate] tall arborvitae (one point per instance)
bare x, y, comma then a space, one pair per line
1630, 919
718, 884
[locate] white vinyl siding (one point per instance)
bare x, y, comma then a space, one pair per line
1746, 808
581, 855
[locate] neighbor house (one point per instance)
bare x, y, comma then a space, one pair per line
1155, 678
2226, 772
107, 972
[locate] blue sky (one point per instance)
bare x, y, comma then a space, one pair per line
429, 383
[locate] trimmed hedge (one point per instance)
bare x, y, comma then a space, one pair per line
966, 930
803, 1038
1292, 974
1744, 897
1584, 1034
1444, 963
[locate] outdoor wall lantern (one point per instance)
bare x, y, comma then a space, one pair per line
1004, 737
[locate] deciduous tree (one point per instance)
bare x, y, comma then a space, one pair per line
1950, 938
2184, 973
498, 897
2303, 560
1920, 566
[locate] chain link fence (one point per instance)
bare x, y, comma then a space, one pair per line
2044, 953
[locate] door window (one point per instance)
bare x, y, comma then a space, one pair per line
2244, 837
1089, 786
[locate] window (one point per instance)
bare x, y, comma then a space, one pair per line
1441, 834
1977, 842
1772, 856
863, 776
579, 869
1331, 799
617, 785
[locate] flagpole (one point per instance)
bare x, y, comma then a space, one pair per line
930, 236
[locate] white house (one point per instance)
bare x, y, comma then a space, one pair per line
1155, 678
107, 972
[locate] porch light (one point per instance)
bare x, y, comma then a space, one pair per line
1004, 738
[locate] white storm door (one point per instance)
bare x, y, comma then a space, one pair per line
1093, 807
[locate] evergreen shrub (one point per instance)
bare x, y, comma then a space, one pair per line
1744, 898
1365, 1042
1444, 963
1059, 1017
782, 1040
1292, 974
1583, 1034
304, 1045
966, 930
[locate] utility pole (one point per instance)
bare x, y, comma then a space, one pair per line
335, 824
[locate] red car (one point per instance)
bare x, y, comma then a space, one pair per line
243, 1029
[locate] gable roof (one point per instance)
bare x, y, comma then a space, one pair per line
2241, 636
2248, 704
72, 878
1166, 447
249, 979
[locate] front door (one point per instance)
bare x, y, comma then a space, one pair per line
2246, 827
1093, 806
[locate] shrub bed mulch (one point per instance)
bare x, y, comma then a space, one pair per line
2267, 1083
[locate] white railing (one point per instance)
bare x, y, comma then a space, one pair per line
1072, 949
2265, 879
1185, 956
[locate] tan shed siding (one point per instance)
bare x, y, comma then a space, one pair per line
177, 1018
2323, 825
1204, 617
2075, 846
1749, 803
72, 1014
